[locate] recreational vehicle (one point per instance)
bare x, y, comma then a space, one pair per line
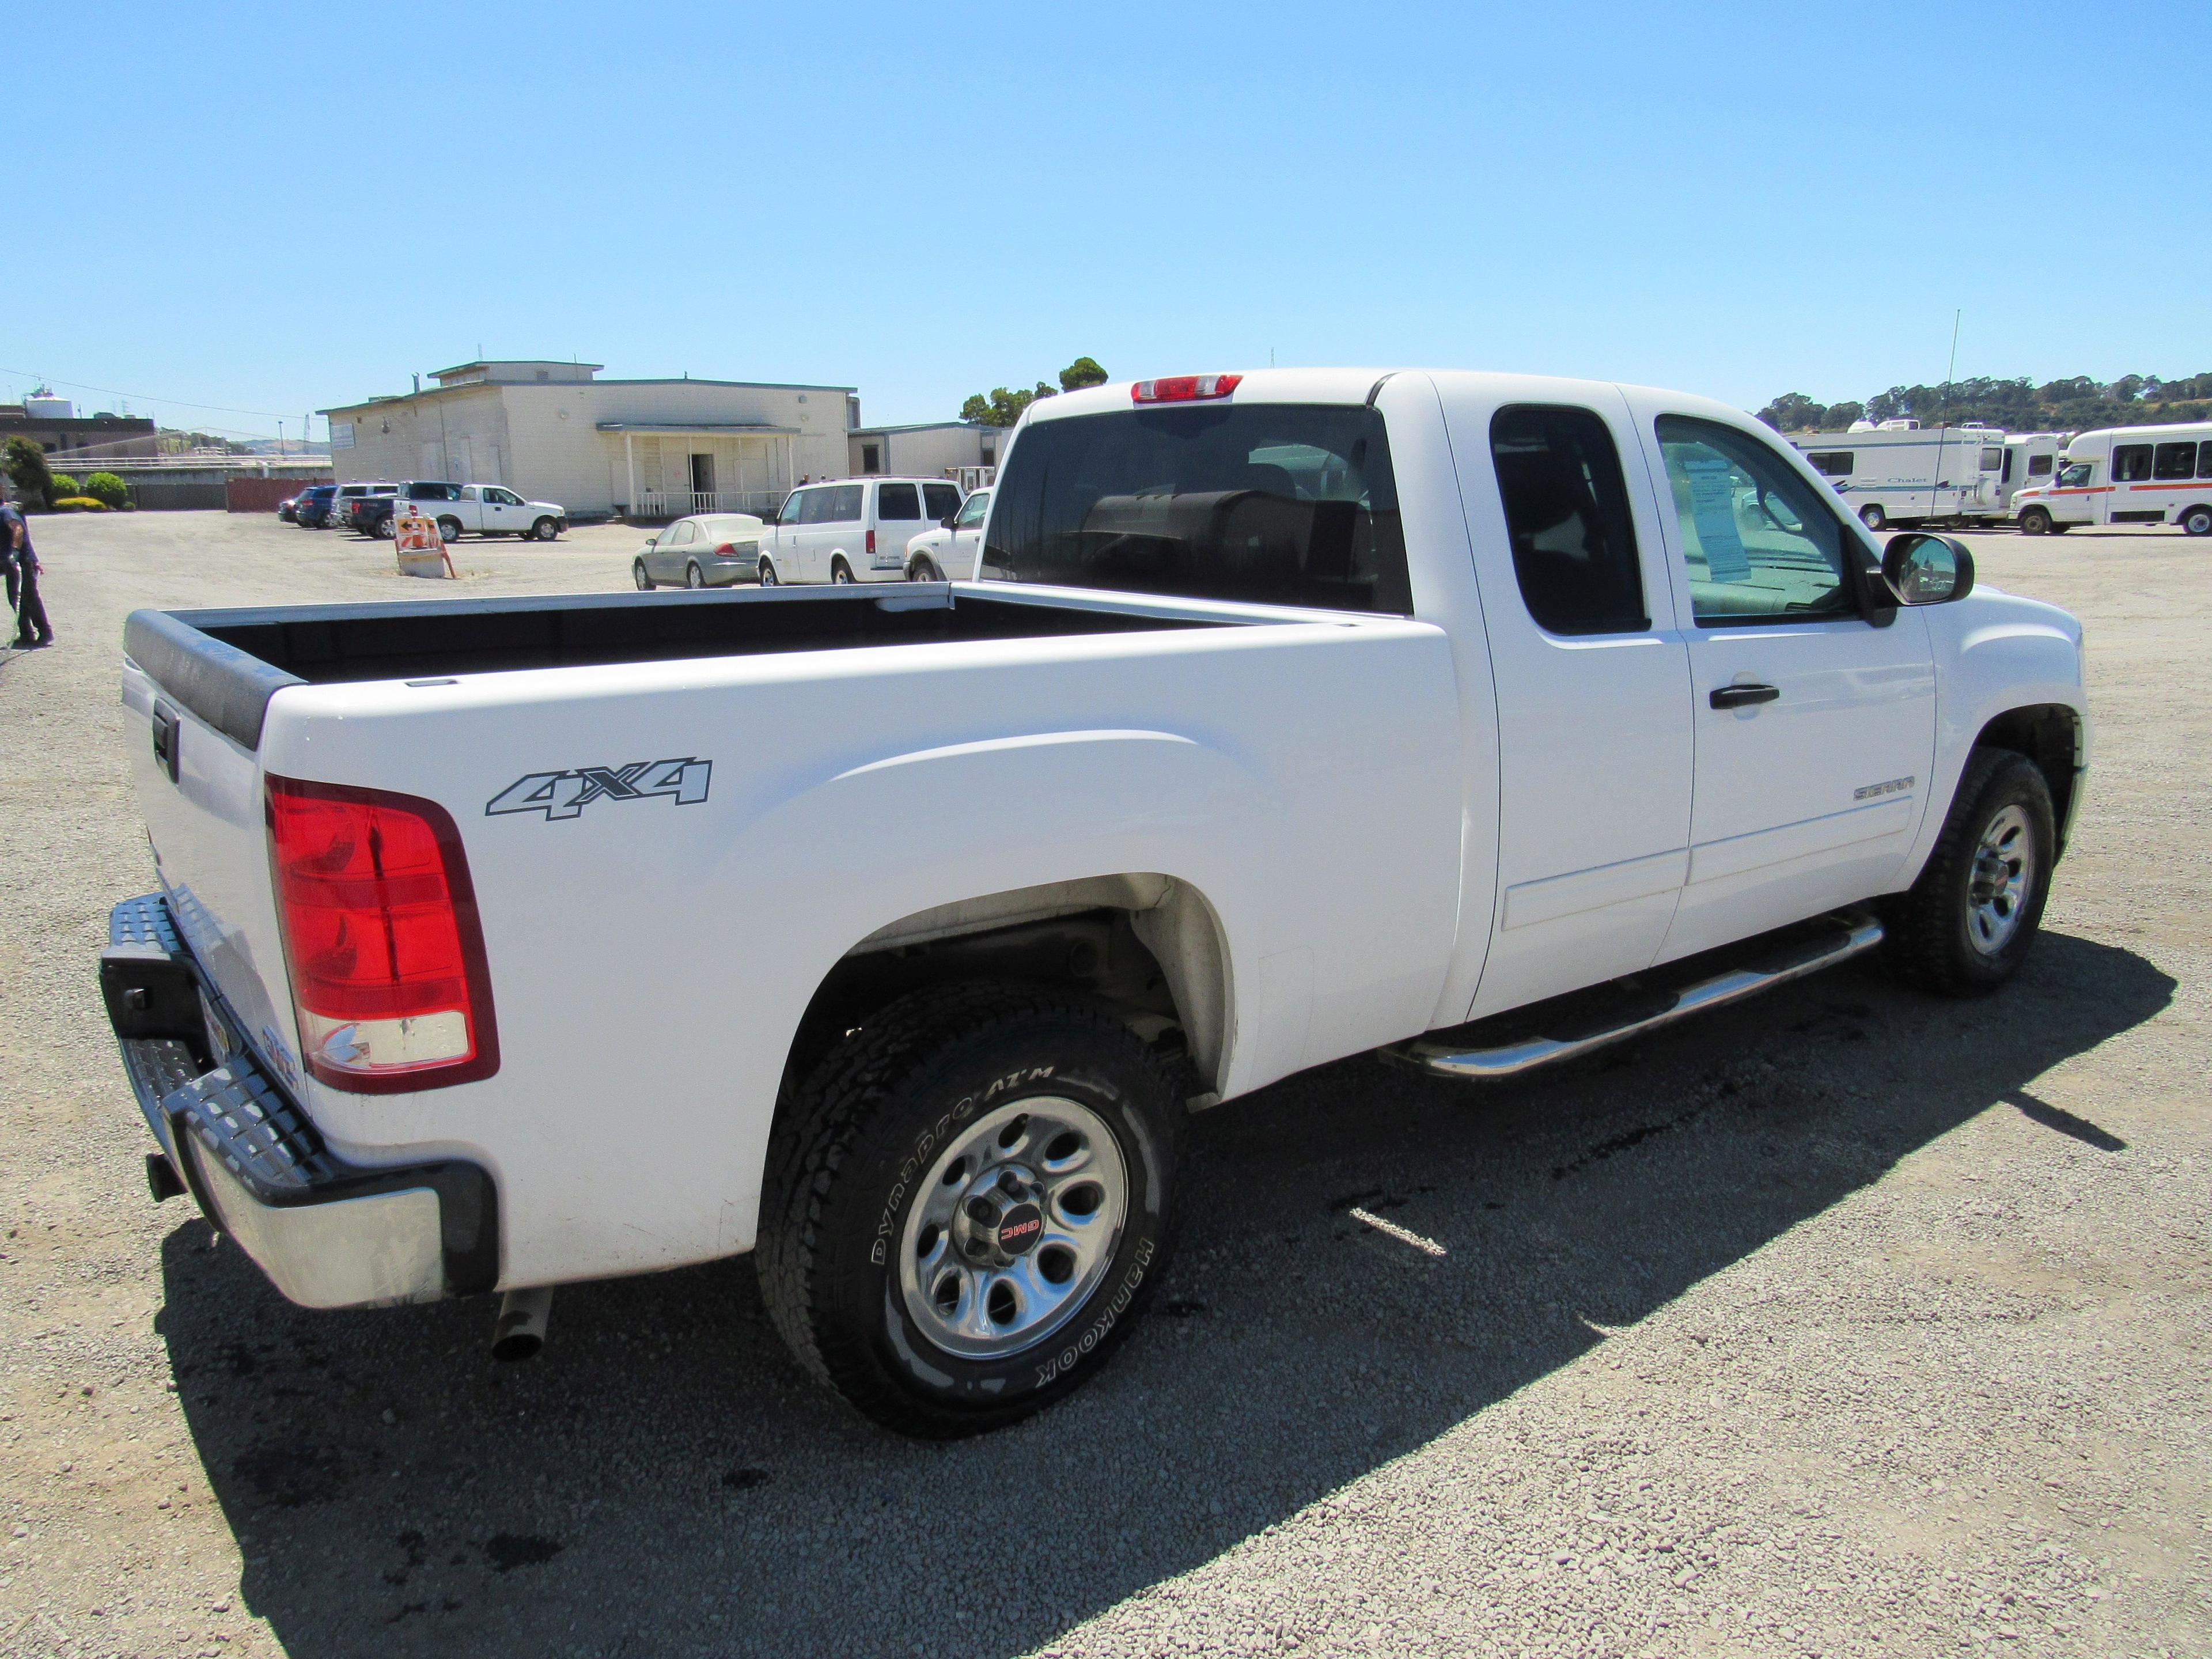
2127, 475
1902, 473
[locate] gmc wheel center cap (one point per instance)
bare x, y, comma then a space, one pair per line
1019, 1228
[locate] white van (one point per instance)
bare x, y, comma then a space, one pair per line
2127, 475
854, 530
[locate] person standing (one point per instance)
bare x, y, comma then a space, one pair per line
33, 631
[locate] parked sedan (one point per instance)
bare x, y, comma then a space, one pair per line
287, 509
712, 550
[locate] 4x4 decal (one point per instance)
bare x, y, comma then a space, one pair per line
565, 794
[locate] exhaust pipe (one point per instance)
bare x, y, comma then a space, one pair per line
521, 1330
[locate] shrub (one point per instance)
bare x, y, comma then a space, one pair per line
80, 504
26, 465
107, 487
60, 484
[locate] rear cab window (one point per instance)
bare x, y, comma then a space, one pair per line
1567, 516
1291, 504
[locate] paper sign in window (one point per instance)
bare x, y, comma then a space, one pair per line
1712, 509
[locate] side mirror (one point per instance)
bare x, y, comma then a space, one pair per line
1923, 569
945, 523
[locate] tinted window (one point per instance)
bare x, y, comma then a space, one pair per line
2204, 460
2175, 461
1566, 513
2038, 466
1760, 543
973, 509
1835, 462
939, 499
1273, 503
1992, 459
842, 504
2130, 463
897, 502
814, 506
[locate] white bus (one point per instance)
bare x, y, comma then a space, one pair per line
2127, 475
1902, 473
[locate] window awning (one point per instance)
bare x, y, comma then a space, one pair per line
700, 429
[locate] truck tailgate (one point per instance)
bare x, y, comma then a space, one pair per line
210, 840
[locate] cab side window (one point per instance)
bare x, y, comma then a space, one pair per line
2130, 463
1566, 515
1760, 543
973, 509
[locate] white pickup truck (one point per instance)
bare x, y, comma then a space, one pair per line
893, 935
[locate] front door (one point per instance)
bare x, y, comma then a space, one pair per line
703, 483
1815, 716
1592, 686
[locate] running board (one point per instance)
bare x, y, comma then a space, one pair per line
1775, 959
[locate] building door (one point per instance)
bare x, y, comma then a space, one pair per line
703, 483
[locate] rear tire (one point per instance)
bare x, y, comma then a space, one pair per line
2197, 521
871, 1262
449, 530
694, 577
637, 574
2035, 522
1966, 925
840, 572
1873, 518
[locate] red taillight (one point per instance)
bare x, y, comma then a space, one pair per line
380, 931
871, 543
1184, 388
726, 551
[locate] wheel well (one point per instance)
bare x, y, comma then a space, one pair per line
2050, 736
1147, 946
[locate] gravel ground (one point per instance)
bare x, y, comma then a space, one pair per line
1849, 1321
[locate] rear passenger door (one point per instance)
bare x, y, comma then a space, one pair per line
898, 520
1815, 713
1592, 681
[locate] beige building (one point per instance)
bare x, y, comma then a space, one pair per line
647, 449
932, 450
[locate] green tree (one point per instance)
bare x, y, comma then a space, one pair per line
1083, 372
1793, 411
107, 487
978, 408
26, 466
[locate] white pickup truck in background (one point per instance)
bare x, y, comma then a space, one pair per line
504, 943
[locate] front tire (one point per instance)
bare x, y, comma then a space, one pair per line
545, 529
637, 574
768, 577
1966, 925
2197, 521
1873, 518
2035, 522
968, 1203
924, 570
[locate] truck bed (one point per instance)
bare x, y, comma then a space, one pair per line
275, 646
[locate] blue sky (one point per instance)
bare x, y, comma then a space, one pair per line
276, 209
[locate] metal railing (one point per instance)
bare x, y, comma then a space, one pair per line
681, 503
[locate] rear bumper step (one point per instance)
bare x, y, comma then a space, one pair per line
1525, 1038
329, 1233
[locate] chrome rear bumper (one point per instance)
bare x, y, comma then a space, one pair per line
328, 1234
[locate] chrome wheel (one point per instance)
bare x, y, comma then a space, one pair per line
767, 576
637, 574
1015, 1225
840, 574
2003, 875
692, 576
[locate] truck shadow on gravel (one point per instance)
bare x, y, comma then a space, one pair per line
665, 1479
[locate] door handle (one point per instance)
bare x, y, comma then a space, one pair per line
1743, 696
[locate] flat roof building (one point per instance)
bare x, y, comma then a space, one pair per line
929, 450
77, 443
643, 448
